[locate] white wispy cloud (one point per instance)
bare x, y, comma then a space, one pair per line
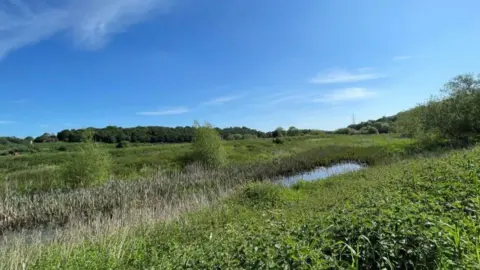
347, 94
221, 100
344, 76
171, 111
296, 97
5, 122
90, 23
287, 98
401, 57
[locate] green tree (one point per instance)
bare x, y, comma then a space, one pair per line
230, 137
459, 113
384, 127
46, 137
123, 144
90, 166
278, 132
453, 115
409, 122
292, 131
345, 131
207, 146
368, 130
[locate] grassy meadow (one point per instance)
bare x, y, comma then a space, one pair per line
42, 171
408, 209
400, 213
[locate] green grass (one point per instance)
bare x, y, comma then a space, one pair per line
42, 171
415, 214
61, 207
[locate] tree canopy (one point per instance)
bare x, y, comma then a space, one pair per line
159, 134
453, 115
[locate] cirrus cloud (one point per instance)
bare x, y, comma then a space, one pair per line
347, 94
221, 100
171, 111
345, 76
90, 23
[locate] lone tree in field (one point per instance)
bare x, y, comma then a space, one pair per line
90, 166
207, 145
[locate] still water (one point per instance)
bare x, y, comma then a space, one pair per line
321, 173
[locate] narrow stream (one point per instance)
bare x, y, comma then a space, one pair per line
320, 173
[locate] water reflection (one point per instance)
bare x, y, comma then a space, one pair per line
320, 173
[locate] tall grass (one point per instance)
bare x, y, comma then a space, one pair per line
58, 207
128, 162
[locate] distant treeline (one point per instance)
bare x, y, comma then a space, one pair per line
158, 134
12, 145
385, 124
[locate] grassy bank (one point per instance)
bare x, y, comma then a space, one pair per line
420, 214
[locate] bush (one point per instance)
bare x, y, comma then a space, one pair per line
62, 148
368, 130
207, 146
262, 195
279, 140
230, 137
455, 115
90, 166
123, 144
249, 136
345, 131
384, 128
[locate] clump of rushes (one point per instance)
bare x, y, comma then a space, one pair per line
91, 166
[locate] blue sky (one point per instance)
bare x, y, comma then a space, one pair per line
261, 64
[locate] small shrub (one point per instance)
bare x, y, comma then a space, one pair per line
263, 195
368, 130
279, 140
249, 136
230, 137
90, 166
123, 144
207, 146
345, 131
62, 148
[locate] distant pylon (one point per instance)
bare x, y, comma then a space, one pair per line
353, 119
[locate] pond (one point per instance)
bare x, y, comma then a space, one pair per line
321, 173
